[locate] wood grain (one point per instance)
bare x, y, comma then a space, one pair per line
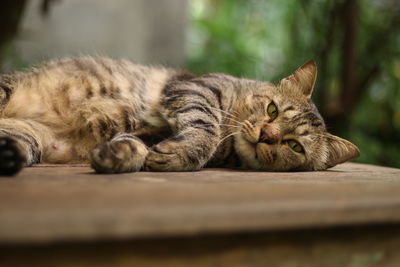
345, 247
70, 203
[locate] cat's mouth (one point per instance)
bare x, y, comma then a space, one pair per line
256, 144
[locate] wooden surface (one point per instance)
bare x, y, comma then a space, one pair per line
349, 247
66, 203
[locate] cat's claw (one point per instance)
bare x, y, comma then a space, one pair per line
11, 158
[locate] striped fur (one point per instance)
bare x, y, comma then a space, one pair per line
124, 117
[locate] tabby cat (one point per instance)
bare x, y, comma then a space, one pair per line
123, 117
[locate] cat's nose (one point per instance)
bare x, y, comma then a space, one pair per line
267, 137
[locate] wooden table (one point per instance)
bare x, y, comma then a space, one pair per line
67, 215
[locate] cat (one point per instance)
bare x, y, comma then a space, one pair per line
124, 117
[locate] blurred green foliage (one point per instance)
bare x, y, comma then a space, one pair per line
356, 45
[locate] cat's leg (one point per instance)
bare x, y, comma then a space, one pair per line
190, 150
20, 145
123, 153
194, 116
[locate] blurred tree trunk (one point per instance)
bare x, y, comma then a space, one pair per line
10, 15
337, 115
356, 73
349, 56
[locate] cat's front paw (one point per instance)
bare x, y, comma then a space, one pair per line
119, 156
165, 157
11, 158
250, 132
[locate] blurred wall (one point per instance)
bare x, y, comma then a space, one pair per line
146, 31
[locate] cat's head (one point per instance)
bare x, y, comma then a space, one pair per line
283, 130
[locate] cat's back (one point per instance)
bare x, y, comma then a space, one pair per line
60, 87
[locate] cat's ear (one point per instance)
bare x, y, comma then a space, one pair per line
340, 150
303, 78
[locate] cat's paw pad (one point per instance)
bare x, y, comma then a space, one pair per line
118, 156
11, 157
164, 157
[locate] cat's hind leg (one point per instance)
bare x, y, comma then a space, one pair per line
124, 153
20, 145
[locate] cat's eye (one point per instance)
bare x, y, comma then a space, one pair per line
272, 110
295, 146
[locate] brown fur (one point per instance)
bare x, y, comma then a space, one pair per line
123, 117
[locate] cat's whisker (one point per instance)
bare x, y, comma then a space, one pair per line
227, 125
221, 124
229, 135
238, 122
224, 111
232, 117
235, 126
235, 112
243, 124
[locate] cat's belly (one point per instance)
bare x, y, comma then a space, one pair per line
60, 152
